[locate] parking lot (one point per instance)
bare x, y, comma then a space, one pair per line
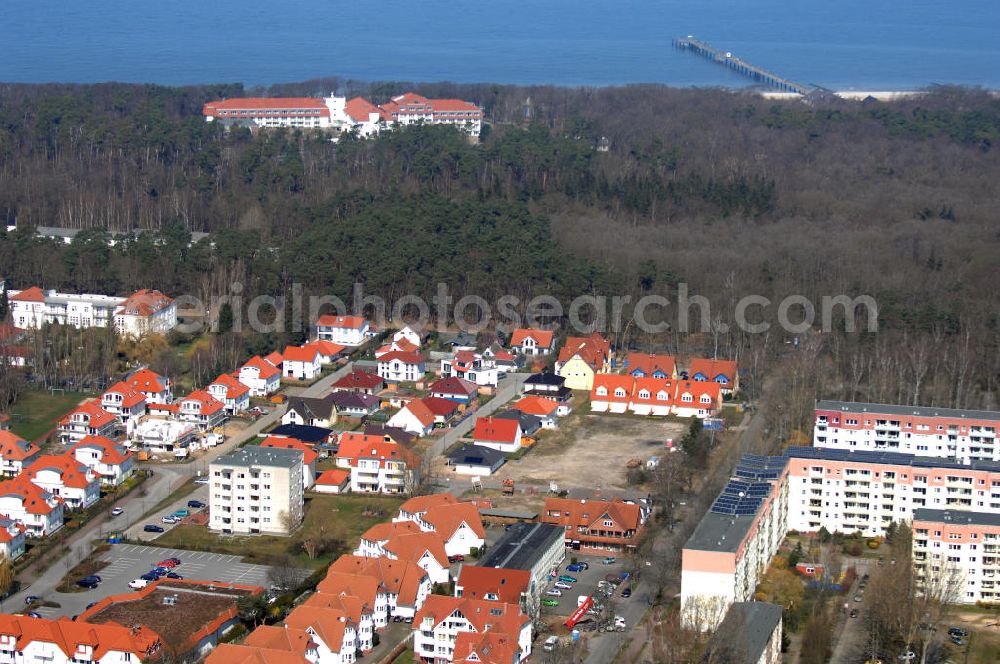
586, 584
129, 561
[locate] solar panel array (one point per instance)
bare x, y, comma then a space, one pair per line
755, 467
741, 498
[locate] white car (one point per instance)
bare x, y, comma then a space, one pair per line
201, 480
117, 511
563, 585
169, 519
554, 593
138, 584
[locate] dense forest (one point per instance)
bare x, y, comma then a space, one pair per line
729, 193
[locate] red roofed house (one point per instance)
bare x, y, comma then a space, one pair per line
408, 334
472, 367
696, 398
654, 396
611, 393
153, 386
337, 480
12, 536
415, 417
411, 108
344, 330
402, 345
87, 419
39, 511
146, 312
365, 117
360, 381
203, 409
486, 648
306, 112
377, 464
27, 308
16, 454
398, 367
309, 456
723, 372
125, 402
444, 410
333, 635
649, 365
65, 477
405, 541
544, 409
328, 351
528, 341
442, 619
357, 612
495, 584
233, 394
111, 462
301, 362
262, 377
596, 525
581, 358
405, 583
63, 641
457, 524
499, 434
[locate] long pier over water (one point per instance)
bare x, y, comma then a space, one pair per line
741, 66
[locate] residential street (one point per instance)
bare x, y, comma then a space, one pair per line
508, 388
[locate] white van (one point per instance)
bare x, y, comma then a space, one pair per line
138, 584
550, 644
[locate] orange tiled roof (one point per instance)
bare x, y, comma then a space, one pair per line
209, 404
145, 380
402, 577
532, 405
35, 498
111, 452
335, 477
420, 504
359, 380
495, 430
649, 363
234, 388
305, 353
487, 648
264, 368
329, 624
447, 519
230, 653
309, 455
405, 358
506, 584
98, 416
131, 396
73, 473
68, 635
14, 447
347, 322
481, 614
326, 348
356, 446
712, 368
543, 338
586, 513
144, 302
593, 350
33, 294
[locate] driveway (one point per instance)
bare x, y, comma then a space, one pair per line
507, 390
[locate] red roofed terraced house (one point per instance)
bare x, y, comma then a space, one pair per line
696, 398
40, 512
405, 541
63, 641
270, 112
494, 584
261, 376
612, 393
87, 419
654, 366
68, 479
343, 330
126, 403
529, 341
16, 454
203, 409
442, 620
111, 462
723, 372
378, 465
231, 392
405, 583
472, 367
597, 525
498, 434
396, 367
486, 648
146, 312
153, 386
654, 396
457, 524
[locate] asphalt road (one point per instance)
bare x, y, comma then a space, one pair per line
507, 389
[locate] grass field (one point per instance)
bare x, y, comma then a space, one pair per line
345, 514
36, 411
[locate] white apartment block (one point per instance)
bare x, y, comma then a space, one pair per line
956, 555
961, 435
343, 330
256, 490
141, 313
732, 546
858, 491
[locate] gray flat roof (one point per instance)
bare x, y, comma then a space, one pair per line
745, 632
254, 455
719, 532
959, 517
915, 411
508, 514
522, 545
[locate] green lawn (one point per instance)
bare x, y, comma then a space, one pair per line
344, 514
405, 657
37, 411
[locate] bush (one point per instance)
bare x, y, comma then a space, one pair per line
474, 553
874, 544
853, 548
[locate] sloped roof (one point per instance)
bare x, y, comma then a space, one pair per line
131, 396
67, 635
359, 380
146, 380
98, 417
112, 453
454, 385
234, 388
32, 294
493, 616
334, 477
585, 513
506, 584
593, 349
496, 430
344, 322
713, 368
402, 577
308, 454
306, 353
534, 405
144, 302
543, 338
14, 447
72, 473
264, 368
329, 624
649, 363
420, 504
447, 519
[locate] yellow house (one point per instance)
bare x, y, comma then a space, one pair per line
581, 358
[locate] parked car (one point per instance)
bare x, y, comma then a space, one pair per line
610, 560
89, 584
627, 593
201, 480
174, 575
31, 599
550, 644
152, 528
175, 561
117, 511
149, 577
957, 631
957, 640
195, 504
138, 584
92, 605
567, 579
563, 585
857, 598
169, 519
908, 655
554, 592
457, 558
167, 563
34, 614
180, 514
577, 567
550, 602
